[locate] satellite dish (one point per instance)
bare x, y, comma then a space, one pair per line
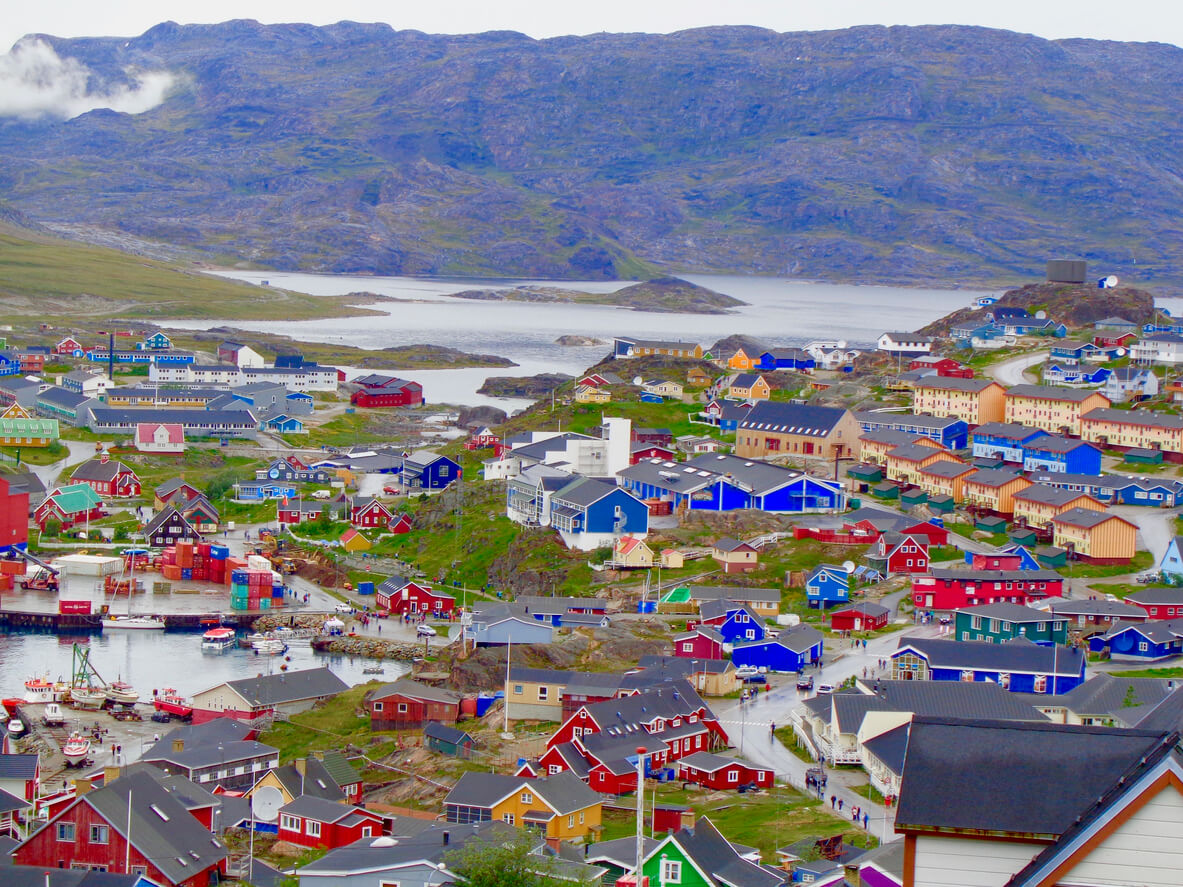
1110, 282
1041, 315
637, 380
841, 344
1121, 352
265, 803
848, 566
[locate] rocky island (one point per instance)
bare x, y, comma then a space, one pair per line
670, 295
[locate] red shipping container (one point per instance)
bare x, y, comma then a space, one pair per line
169, 557
203, 549
12, 568
6, 582
78, 607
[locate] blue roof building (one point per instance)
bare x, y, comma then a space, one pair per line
1141, 641
1004, 440
1018, 665
950, 431
590, 513
1171, 565
426, 470
786, 359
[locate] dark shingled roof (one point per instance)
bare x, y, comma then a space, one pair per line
1017, 655
289, 686
792, 418
1051, 392
1008, 777
890, 748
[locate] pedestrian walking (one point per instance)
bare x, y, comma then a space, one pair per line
864, 671
833, 798
840, 803
866, 820
772, 731
864, 643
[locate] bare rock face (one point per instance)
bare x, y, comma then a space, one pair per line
578, 341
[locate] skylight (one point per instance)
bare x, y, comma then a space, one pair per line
159, 812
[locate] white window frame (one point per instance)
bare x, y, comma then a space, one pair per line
312, 828
671, 871
289, 823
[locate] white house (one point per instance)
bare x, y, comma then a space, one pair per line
1130, 382
160, 437
905, 344
1160, 348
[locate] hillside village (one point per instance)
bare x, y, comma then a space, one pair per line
901, 614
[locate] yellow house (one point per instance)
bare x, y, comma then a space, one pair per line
976, 401
698, 377
592, 394
648, 348
19, 428
905, 462
749, 386
672, 559
1095, 536
632, 553
944, 478
740, 360
560, 806
1133, 428
994, 490
735, 556
1052, 409
877, 444
664, 387
1037, 505
352, 540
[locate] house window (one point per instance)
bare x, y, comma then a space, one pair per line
543, 693
581, 817
507, 818
1040, 684
671, 871
967, 674
65, 831
312, 828
553, 769
1143, 646
733, 776
367, 831
377, 706
688, 648
99, 834
527, 798
402, 708
141, 870
289, 823
571, 821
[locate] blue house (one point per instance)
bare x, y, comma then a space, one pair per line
500, 624
1018, 665
1078, 351
590, 513
826, 586
786, 359
10, 363
1075, 374
789, 651
723, 414
261, 490
1171, 565
425, 470
1141, 641
299, 403
950, 431
158, 341
1004, 440
282, 424
735, 622
1027, 560
1116, 488
1063, 455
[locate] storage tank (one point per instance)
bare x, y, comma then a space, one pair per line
468, 707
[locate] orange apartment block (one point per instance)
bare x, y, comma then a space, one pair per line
1053, 409
1095, 536
905, 462
1036, 506
945, 479
877, 444
994, 490
1134, 429
976, 401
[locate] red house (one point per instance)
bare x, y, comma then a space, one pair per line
366, 511
400, 523
944, 366
1159, 603
14, 517
402, 596
107, 477
482, 439
718, 772
996, 561
863, 616
168, 845
1113, 340
68, 345
651, 451
31, 361
700, 642
316, 822
407, 704
946, 589
386, 391
936, 536
902, 553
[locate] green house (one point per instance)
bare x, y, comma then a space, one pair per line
1002, 622
1143, 457
885, 491
942, 504
448, 740
1022, 536
868, 474
1051, 557
915, 496
990, 524
701, 857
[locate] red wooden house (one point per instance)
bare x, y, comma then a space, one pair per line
482, 439
367, 512
936, 536
407, 704
31, 361
14, 517
651, 451
20, 775
69, 505
700, 642
946, 589
68, 345
317, 822
1114, 339
996, 560
402, 596
107, 477
1159, 603
944, 366
400, 523
174, 492
718, 772
864, 616
386, 391
168, 845
901, 553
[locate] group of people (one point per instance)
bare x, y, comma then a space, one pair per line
857, 814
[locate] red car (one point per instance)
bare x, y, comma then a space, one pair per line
391, 491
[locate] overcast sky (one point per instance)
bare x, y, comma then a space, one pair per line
1139, 20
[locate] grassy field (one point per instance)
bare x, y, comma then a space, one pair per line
338, 722
55, 279
1079, 570
35, 455
1151, 673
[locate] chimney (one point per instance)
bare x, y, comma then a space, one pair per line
553, 843
110, 774
301, 766
447, 838
178, 746
81, 787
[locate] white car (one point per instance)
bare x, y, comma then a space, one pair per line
344, 608
824, 688
425, 631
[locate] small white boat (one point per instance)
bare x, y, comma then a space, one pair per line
269, 646
16, 727
90, 698
53, 716
75, 749
123, 693
373, 669
143, 623
218, 639
43, 690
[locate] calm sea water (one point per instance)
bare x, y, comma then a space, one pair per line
779, 312
155, 660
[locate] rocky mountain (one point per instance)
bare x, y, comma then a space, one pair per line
934, 154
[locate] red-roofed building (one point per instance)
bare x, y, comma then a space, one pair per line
160, 437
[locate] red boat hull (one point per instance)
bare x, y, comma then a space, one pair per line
173, 707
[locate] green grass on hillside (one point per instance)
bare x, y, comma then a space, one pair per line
335, 723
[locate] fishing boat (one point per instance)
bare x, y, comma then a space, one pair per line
269, 646
172, 702
91, 699
43, 690
218, 639
16, 727
373, 669
87, 690
122, 692
53, 715
75, 749
143, 623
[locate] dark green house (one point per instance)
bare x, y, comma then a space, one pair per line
448, 740
1003, 622
701, 857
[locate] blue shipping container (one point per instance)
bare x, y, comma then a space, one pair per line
186, 572
483, 703
240, 577
219, 552
365, 588
277, 591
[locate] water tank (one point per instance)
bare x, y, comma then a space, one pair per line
468, 707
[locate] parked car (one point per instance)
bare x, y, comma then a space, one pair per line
425, 631
391, 490
344, 608
824, 688
805, 683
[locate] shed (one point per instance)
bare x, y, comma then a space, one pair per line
448, 740
914, 496
868, 474
885, 491
942, 504
1141, 456
991, 524
1022, 536
1051, 557
353, 540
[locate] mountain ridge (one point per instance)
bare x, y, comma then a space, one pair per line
927, 156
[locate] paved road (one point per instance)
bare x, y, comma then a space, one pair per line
79, 452
1010, 372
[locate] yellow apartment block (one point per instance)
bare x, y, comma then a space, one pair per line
1130, 428
976, 401
945, 478
1037, 505
1096, 536
905, 463
994, 490
1052, 409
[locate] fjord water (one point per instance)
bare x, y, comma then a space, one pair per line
780, 311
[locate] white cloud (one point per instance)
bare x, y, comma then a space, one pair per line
36, 82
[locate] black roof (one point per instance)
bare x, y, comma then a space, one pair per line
1016, 655
1011, 777
43, 876
18, 766
715, 855
890, 748
289, 686
445, 733
793, 418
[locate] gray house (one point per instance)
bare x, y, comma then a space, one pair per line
502, 624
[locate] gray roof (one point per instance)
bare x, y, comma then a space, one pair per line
995, 575
792, 418
321, 809
890, 748
913, 420
621, 851
1157, 595
734, 593
798, 639
949, 383
959, 699
947, 468
10, 803
446, 733
18, 766
894, 436
914, 452
1045, 495
1128, 699
1055, 444
41, 876
288, 686
1084, 517
992, 477
206, 755
1051, 392
704, 760
1145, 418
1007, 430
1007, 612
1097, 607
371, 855
749, 474
564, 792
315, 781
187, 418
867, 608
415, 690
1013, 656
99, 470
63, 397
537, 603
713, 854
1011, 778
584, 491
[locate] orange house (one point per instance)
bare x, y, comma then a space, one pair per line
945, 479
749, 386
1036, 506
1095, 536
877, 444
994, 490
740, 360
